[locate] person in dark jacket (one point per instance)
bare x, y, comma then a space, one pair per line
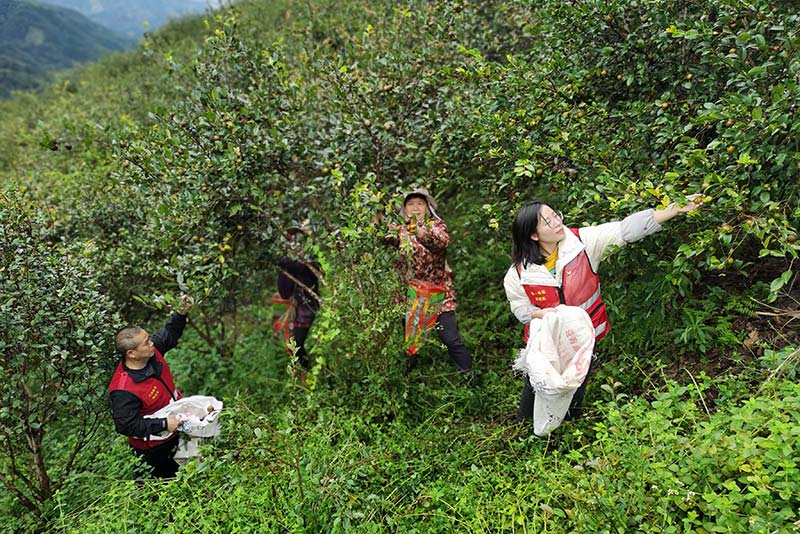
142, 384
299, 281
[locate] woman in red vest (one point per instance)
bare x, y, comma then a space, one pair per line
556, 265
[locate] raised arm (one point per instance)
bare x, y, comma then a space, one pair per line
662, 216
392, 237
167, 338
632, 228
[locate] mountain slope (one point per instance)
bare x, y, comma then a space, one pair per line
37, 38
129, 18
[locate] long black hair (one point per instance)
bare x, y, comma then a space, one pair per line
525, 250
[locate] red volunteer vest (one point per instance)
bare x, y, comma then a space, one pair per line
580, 286
152, 392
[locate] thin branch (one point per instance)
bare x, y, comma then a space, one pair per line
301, 284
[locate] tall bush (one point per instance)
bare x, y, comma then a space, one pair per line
56, 352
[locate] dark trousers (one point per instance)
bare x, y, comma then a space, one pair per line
161, 458
300, 334
525, 410
448, 334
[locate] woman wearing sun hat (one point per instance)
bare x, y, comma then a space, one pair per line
423, 241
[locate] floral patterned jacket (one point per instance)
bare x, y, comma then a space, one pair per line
425, 258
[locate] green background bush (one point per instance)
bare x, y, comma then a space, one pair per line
176, 167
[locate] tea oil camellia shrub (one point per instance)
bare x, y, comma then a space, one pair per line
647, 103
57, 351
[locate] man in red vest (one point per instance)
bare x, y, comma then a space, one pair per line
142, 384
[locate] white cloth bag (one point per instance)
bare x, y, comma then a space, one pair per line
199, 416
556, 361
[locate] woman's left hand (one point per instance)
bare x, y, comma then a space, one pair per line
665, 214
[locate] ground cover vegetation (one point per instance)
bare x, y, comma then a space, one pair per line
175, 168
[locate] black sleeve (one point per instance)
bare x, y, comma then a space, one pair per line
285, 285
167, 338
298, 270
127, 421
284, 262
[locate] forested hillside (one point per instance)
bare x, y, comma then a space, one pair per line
36, 39
177, 167
132, 19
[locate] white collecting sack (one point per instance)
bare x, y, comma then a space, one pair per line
199, 415
556, 361
188, 447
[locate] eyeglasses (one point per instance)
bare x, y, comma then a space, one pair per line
556, 215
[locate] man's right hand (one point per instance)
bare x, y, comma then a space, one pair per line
173, 423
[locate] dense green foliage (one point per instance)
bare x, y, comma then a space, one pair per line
36, 39
55, 348
175, 168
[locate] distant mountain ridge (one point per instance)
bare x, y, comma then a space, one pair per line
128, 17
36, 38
